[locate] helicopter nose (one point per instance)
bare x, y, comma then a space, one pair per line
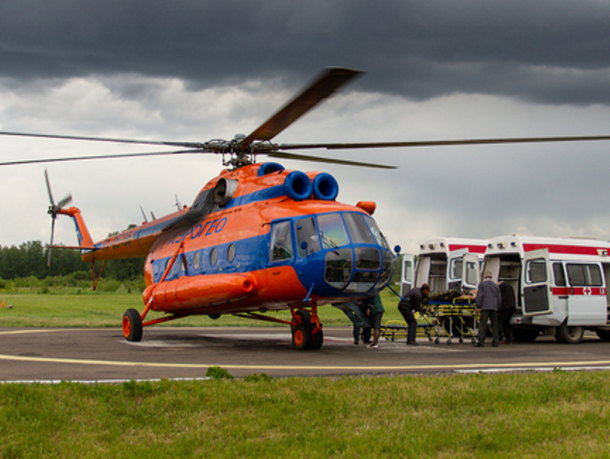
358, 269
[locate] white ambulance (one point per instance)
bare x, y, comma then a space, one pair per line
444, 263
560, 284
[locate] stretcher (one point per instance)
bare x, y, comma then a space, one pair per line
397, 329
453, 320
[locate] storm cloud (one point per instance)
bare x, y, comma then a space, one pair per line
194, 70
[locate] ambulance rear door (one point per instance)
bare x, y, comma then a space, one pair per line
463, 270
406, 275
455, 269
471, 272
536, 283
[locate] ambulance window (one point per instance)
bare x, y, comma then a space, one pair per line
559, 275
456, 268
332, 231
595, 276
281, 242
535, 271
358, 229
584, 275
308, 241
471, 273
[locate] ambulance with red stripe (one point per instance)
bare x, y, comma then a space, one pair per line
445, 263
560, 285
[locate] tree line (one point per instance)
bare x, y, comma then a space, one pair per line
30, 259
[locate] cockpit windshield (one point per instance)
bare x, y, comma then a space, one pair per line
352, 241
332, 231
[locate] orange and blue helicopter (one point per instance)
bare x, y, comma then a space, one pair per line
258, 237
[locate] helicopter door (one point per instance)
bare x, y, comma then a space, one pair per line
536, 283
406, 276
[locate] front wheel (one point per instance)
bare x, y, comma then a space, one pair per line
569, 335
301, 336
317, 340
132, 325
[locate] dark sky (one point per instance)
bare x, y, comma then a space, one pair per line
196, 70
543, 51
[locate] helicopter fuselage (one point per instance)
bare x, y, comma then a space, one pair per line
257, 238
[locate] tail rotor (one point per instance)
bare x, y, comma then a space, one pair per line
54, 209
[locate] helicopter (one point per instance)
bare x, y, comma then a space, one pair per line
258, 237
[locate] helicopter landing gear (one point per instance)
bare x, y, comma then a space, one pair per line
132, 325
306, 334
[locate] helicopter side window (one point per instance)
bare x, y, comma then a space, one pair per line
308, 241
281, 242
332, 231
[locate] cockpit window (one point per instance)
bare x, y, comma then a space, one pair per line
308, 241
376, 233
358, 229
281, 242
332, 231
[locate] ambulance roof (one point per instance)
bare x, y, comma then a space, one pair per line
451, 244
563, 247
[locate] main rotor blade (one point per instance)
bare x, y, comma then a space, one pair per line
81, 158
105, 139
439, 143
317, 159
323, 87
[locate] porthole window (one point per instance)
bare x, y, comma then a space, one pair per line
213, 256
231, 253
184, 262
196, 260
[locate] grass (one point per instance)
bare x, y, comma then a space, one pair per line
93, 309
555, 414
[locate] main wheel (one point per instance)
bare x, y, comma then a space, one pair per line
301, 336
132, 325
569, 335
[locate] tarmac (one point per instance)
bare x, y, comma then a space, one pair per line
52, 355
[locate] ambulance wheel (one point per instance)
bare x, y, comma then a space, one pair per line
604, 335
317, 340
569, 335
132, 325
301, 336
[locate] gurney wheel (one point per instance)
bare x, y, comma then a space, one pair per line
461, 340
449, 342
436, 341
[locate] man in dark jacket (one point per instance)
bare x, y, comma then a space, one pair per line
412, 303
488, 302
508, 307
